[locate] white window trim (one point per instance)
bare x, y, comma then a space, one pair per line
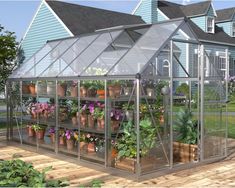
213, 24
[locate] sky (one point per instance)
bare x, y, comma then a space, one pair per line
16, 15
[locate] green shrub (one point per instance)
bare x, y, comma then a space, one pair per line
17, 173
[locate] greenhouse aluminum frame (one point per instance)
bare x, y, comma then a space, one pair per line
139, 43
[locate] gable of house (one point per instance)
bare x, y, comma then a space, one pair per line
45, 26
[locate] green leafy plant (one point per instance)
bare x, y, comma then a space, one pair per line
128, 107
99, 113
126, 144
185, 127
17, 173
37, 127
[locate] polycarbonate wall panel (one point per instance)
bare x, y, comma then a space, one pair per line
75, 50
90, 54
145, 49
49, 58
33, 60
184, 33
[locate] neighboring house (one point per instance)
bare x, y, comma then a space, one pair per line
55, 19
210, 26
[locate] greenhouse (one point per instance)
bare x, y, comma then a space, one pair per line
139, 98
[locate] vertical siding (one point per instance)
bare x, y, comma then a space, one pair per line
200, 21
232, 61
226, 27
148, 11
44, 27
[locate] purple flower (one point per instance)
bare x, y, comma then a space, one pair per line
52, 130
68, 134
91, 108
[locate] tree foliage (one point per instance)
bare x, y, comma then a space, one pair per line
8, 53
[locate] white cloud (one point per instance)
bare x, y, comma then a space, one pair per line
185, 2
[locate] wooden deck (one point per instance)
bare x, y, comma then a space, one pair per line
221, 174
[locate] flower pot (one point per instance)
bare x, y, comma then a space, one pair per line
74, 120
91, 121
74, 91
40, 134
83, 120
83, 91
70, 144
114, 125
33, 115
45, 116
25, 89
41, 88
101, 93
63, 113
52, 137
61, 141
83, 147
114, 91
161, 119
32, 89
61, 90
51, 88
31, 132
91, 92
91, 147
129, 115
150, 92
127, 91
100, 123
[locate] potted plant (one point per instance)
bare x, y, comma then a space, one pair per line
52, 134
74, 112
32, 88
61, 137
99, 115
91, 118
74, 89
63, 113
83, 88
100, 88
91, 90
116, 116
83, 142
61, 88
69, 135
51, 88
129, 111
25, 88
83, 116
114, 89
31, 132
40, 130
185, 147
90, 143
127, 149
100, 147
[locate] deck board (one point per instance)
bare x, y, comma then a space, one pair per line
214, 175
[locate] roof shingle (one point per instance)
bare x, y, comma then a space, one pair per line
225, 15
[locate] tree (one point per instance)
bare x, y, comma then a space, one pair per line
8, 53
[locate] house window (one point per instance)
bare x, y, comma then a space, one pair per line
233, 29
166, 66
210, 24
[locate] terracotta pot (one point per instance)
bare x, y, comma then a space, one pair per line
100, 124
61, 141
83, 120
70, 144
74, 120
31, 132
91, 121
161, 119
83, 146
91, 92
101, 93
45, 115
74, 91
91, 147
34, 116
51, 88
25, 89
40, 134
52, 137
114, 125
111, 91
83, 91
127, 91
32, 89
114, 153
61, 90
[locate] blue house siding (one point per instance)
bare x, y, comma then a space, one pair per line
211, 12
148, 11
227, 27
200, 21
45, 27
